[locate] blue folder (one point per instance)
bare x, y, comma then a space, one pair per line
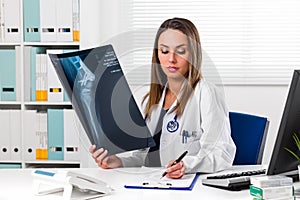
8, 75
55, 134
31, 10
166, 186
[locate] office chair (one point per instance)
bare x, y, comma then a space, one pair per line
249, 135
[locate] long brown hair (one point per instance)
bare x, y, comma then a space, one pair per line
159, 79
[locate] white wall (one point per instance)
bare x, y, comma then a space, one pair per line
101, 20
266, 101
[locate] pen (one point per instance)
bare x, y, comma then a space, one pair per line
175, 162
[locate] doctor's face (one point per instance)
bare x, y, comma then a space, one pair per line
173, 54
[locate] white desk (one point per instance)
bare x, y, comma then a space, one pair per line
17, 184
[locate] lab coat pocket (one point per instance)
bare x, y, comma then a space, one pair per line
191, 140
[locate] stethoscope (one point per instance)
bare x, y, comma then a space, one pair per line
173, 125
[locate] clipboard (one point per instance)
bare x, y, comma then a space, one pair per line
187, 182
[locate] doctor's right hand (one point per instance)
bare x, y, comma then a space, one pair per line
104, 161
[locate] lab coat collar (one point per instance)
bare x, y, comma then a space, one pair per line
164, 94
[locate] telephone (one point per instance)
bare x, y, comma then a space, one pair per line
70, 183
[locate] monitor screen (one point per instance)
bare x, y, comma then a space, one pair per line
95, 84
281, 160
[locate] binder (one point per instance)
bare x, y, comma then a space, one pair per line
38, 79
66, 98
4, 135
30, 71
64, 22
8, 75
2, 22
42, 136
12, 21
55, 134
27, 73
76, 21
44, 77
30, 140
55, 90
41, 79
48, 20
71, 136
35, 135
31, 20
187, 182
18, 72
15, 134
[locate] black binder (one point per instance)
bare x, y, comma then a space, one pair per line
95, 84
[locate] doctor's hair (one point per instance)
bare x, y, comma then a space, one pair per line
194, 75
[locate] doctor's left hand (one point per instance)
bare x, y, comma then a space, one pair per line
176, 171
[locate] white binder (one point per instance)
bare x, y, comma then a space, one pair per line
2, 28
4, 135
12, 20
55, 89
41, 81
41, 136
64, 22
15, 135
30, 127
38, 77
71, 136
76, 21
48, 20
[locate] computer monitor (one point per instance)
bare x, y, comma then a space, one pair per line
94, 82
282, 162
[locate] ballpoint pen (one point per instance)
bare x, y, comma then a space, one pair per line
175, 162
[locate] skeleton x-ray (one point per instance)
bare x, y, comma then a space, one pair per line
95, 83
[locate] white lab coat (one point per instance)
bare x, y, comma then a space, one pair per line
209, 144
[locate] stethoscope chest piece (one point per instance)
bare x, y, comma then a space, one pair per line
173, 125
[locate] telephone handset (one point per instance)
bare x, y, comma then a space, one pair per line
70, 182
85, 182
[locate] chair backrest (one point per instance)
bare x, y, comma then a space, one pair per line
249, 135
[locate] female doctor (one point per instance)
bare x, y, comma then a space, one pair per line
182, 110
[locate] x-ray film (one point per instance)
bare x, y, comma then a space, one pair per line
96, 86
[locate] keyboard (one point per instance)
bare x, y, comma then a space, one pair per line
233, 181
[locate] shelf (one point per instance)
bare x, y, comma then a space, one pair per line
3, 44
33, 114
4, 164
10, 161
52, 164
10, 105
51, 43
47, 103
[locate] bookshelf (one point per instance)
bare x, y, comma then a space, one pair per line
23, 102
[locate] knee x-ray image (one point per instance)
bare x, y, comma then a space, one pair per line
95, 84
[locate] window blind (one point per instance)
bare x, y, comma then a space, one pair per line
243, 41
